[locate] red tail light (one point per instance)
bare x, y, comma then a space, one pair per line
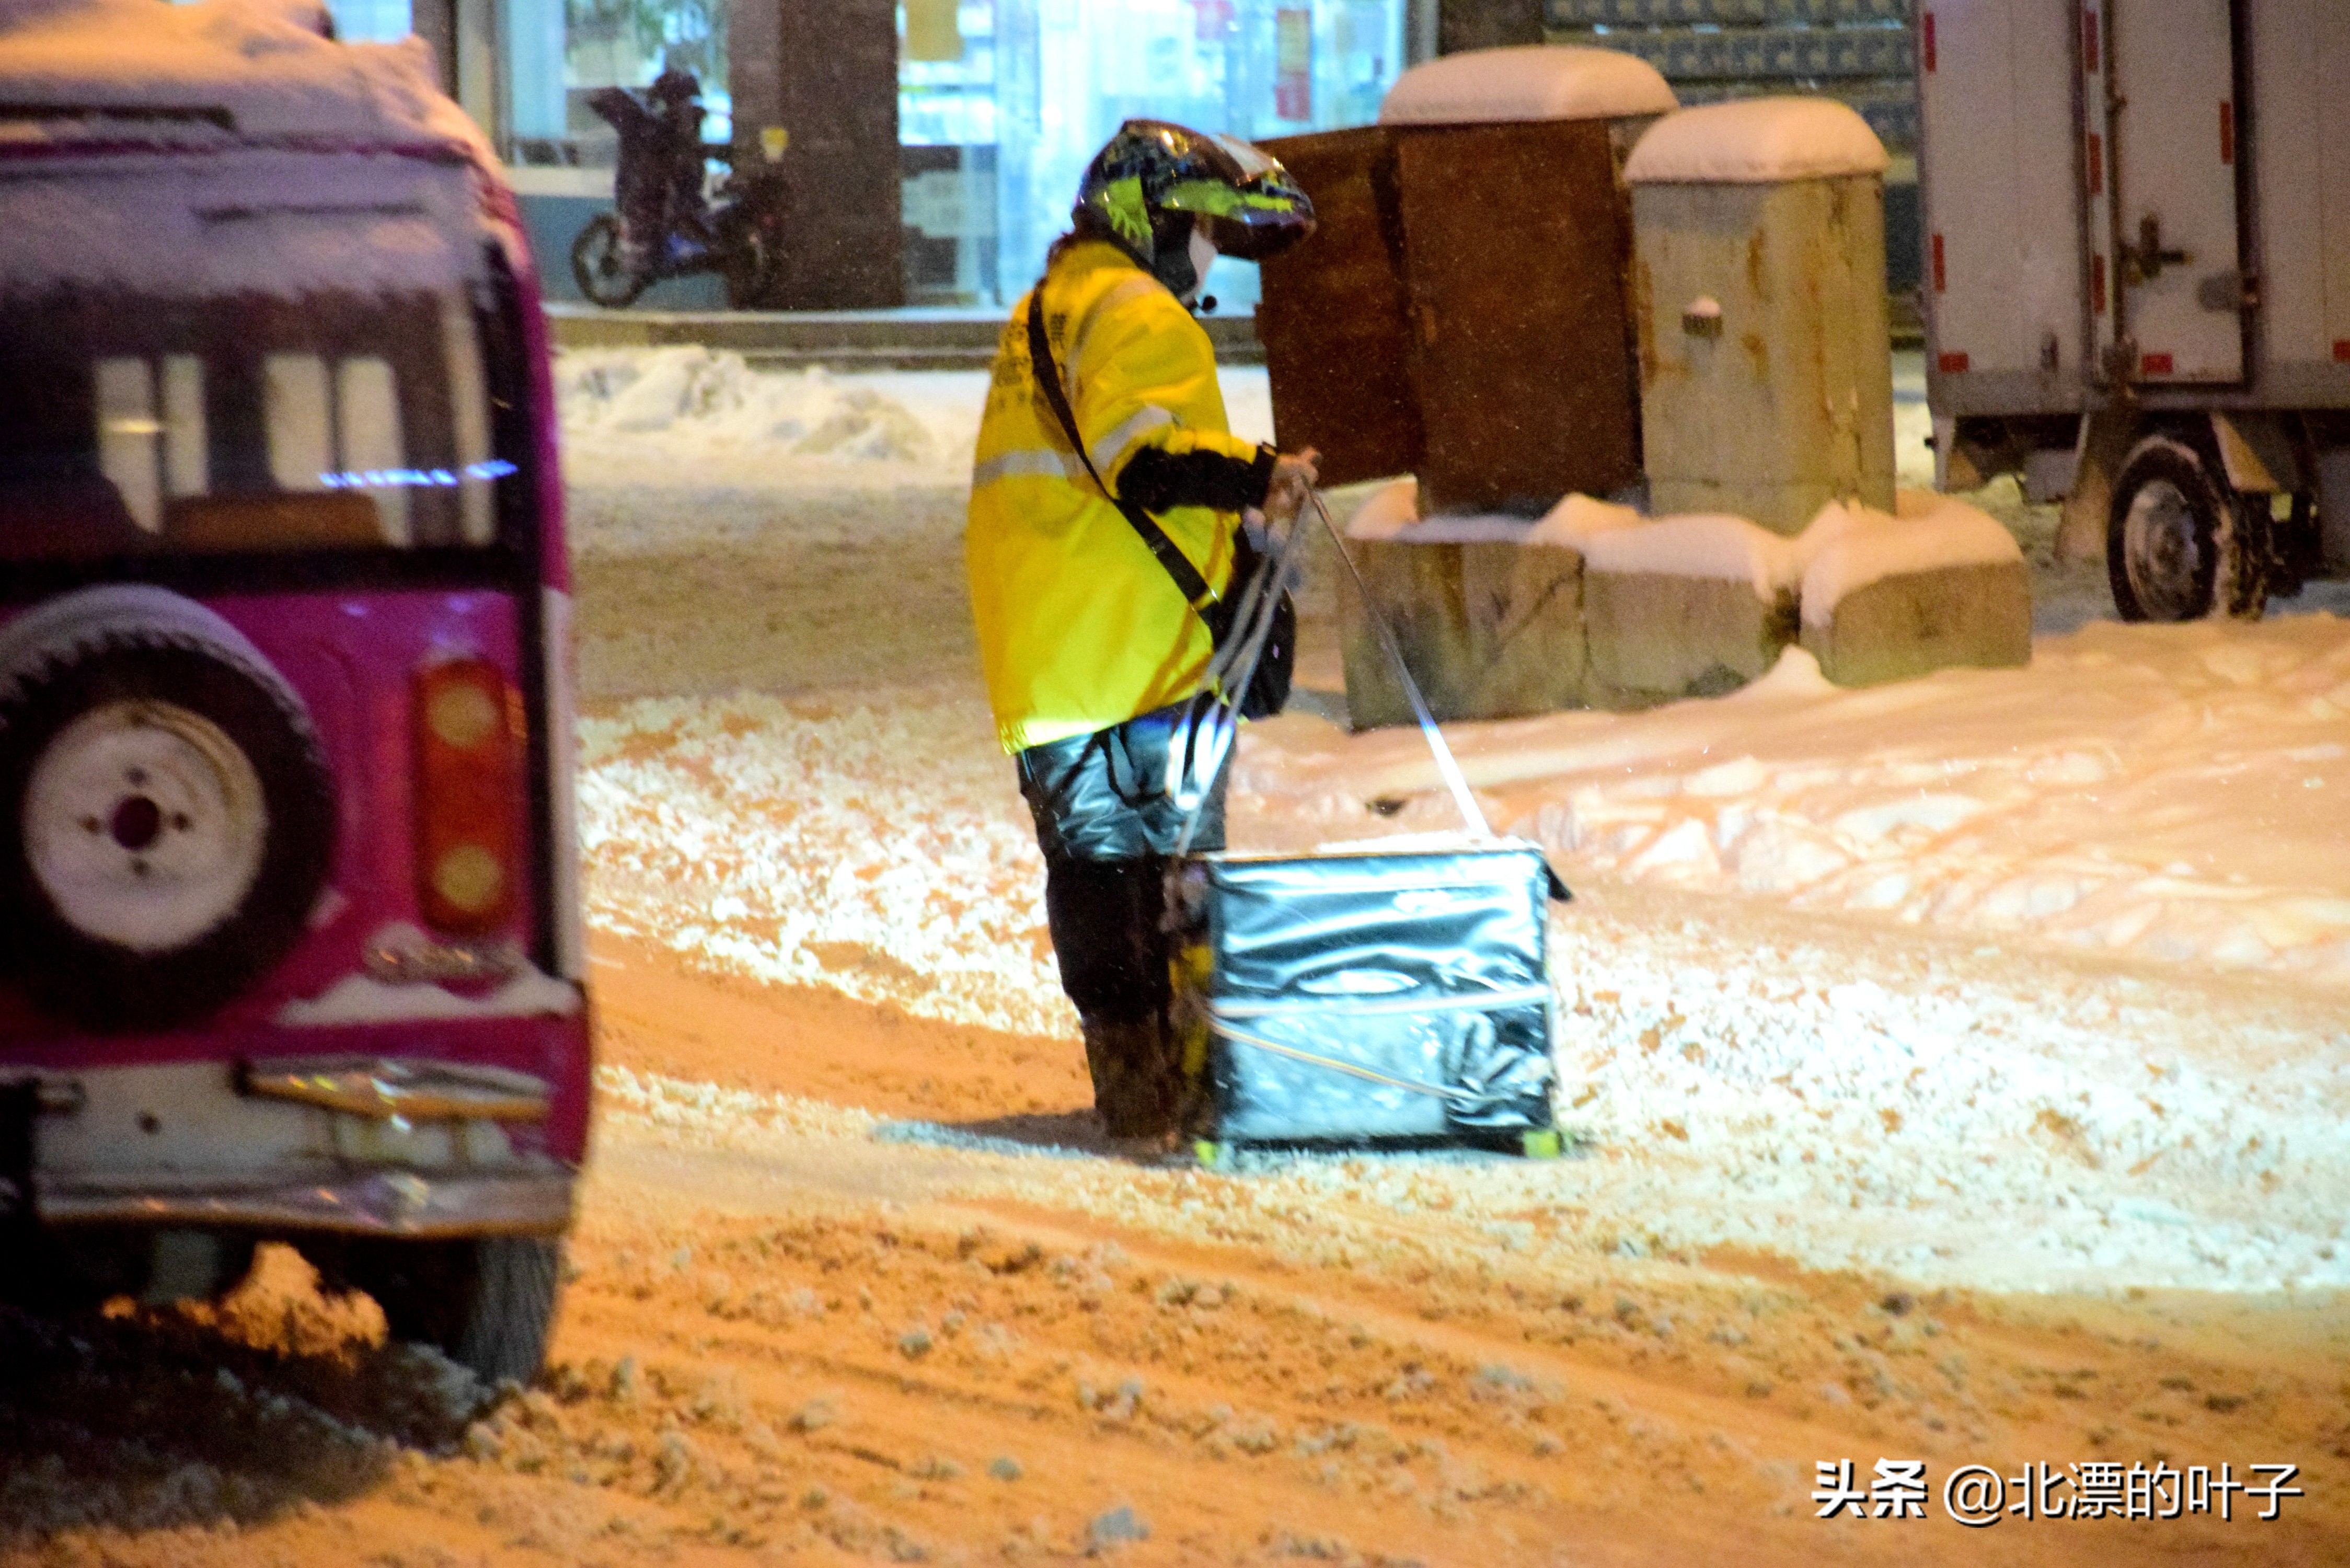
468, 789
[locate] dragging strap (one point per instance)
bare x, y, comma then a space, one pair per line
1453, 780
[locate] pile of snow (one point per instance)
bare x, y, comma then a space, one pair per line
1578, 520
639, 417
1532, 81
2168, 793
1944, 1111
1392, 512
667, 414
881, 850
1947, 1114
1756, 142
1386, 512
2022, 977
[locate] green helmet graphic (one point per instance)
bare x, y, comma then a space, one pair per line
1152, 172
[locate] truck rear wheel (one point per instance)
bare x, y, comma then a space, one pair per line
2180, 543
486, 1302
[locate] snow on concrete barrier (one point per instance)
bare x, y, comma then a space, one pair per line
1685, 607
1489, 627
1890, 598
1597, 607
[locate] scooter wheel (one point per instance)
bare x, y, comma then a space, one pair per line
750, 268
596, 266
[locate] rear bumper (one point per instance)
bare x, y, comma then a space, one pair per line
284, 1146
374, 1203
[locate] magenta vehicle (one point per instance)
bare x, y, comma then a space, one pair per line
289, 940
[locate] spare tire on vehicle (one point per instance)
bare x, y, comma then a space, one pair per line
167, 817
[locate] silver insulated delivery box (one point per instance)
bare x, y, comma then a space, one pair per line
1393, 994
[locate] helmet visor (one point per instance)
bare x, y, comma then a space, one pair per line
1253, 208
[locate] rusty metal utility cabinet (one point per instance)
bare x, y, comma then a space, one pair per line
1463, 312
1766, 372
2139, 230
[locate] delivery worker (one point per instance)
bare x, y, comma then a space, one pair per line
1091, 649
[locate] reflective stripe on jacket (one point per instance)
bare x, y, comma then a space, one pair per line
1079, 628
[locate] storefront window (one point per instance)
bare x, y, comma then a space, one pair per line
370, 21
1002, 102
558, 52
947, 129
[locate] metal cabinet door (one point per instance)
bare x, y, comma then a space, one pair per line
2162, 104
1334, 314
1520, 242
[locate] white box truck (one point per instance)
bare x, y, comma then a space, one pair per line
2138, 281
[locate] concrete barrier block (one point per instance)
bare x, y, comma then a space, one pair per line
1899, 628
1656, 638
1893, 598
1488, 628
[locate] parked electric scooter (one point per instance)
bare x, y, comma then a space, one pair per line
663, 227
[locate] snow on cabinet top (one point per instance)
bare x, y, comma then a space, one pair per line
238, 66
242, 152
1531, 81
1757, 141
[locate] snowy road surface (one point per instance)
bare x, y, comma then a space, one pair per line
2026, 979
2013, 1003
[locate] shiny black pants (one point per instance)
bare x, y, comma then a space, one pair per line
1108, 825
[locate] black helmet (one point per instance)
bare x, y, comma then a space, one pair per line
1152, 176
675, 87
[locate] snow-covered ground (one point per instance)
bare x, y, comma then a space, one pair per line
2027, 979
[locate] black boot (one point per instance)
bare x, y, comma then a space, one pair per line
1138, 1085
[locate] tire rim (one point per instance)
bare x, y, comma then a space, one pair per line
144, 824
2163, 552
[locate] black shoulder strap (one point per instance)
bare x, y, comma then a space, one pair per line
1188, 580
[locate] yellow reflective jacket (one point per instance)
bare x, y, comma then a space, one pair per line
1079, 628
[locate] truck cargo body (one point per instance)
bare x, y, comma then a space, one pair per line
2138, 227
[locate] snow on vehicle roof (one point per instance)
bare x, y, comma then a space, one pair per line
241, 153
1531, 81
250, 221
1756, 142
139, 69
